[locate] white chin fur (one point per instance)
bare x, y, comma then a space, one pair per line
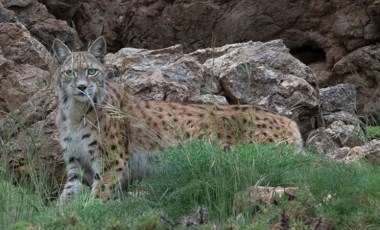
82, 98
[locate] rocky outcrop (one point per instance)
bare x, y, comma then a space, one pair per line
41, 24
25, 66
339, 124
361, 68
346, 135
335, 38
370, 152
335, 27
28, 136
319, 33
341, 97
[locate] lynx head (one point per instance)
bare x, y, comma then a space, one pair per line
81, 74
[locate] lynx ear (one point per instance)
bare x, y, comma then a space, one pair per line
61, 51
98, 48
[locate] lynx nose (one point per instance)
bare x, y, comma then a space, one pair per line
82, 87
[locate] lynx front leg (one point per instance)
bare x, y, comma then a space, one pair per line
73, 184
110, 182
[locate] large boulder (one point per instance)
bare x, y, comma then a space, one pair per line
165, 74
369, 152
265, 74
341, 97
362, 69
346, 135
41, 24
25, 66
28, 136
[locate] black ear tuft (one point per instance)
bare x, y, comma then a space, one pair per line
98, 48
61, 51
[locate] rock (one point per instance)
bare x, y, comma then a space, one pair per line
346, 135
49, 29
199, 217
338, 109
266, 74
346, 117
250, 198
335, 27
321, 141
41, 24
370, 152
31, 144
361, 68
326, 34
19, 3
25, 66
210, 99
5, 15
165, 74
27, 103
341, 97
322, 72
19, 46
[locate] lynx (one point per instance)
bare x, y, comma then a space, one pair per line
103, 129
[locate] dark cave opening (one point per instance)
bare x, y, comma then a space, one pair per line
309, 54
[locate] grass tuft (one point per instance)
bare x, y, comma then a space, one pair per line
373, 132
201, 175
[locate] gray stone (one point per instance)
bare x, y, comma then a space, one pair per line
346, 117
346, 135
5, 15
370, 152
321, 141
265, 74
211, 99
341, 97
362, 69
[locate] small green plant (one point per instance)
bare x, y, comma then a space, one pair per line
373, 132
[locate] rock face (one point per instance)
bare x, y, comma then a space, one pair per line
198, 24
339, 124
341, 97
346, 135
41, 24
265, 74
328, 32
362, 68
25, 66
335, 38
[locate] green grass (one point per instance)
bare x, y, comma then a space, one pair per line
200, 175
373, 132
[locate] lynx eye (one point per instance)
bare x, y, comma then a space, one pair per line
91, 72
69, 73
